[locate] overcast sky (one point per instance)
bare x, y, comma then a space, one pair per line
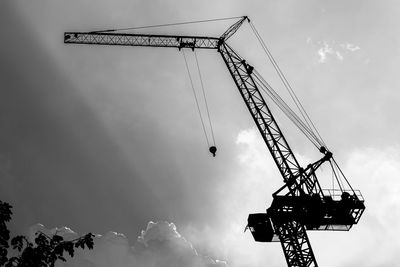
103, 139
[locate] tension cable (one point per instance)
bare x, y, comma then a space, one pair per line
288, 87
165, 25
286, 109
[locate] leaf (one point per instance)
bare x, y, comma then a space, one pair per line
45, 250
5, 211
18, 242
69, 247
11, 261
57, 239
42, 240
59, 250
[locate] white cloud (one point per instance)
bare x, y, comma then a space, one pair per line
339, 56
331, 49
65, 232
349, 47
248, 190
323, 52
248, 138
160, 245
374, 171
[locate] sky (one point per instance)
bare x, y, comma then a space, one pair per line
108, 139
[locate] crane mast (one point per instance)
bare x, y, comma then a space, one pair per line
300, 204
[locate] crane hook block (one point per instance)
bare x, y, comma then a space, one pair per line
213, 150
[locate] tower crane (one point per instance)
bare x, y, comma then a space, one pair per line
300, 204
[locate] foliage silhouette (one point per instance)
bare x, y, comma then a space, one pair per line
45, 250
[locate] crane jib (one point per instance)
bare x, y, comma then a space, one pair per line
125, 39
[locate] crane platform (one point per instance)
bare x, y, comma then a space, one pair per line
328, 212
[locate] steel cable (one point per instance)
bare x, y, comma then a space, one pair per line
165, 25
287, 85
195, 97
205, 98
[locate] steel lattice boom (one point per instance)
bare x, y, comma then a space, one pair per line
126, 39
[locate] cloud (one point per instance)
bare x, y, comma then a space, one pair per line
350, 47
339, 55
160, 245
326, 49
373, 170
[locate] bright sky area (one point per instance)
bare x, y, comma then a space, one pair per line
102, 139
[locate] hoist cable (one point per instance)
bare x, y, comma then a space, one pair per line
295, 99
195, 97
205, 98
165, 25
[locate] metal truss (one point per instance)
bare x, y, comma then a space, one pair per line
266, 124
125, 39
295, 244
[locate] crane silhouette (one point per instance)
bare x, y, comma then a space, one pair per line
300, 204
